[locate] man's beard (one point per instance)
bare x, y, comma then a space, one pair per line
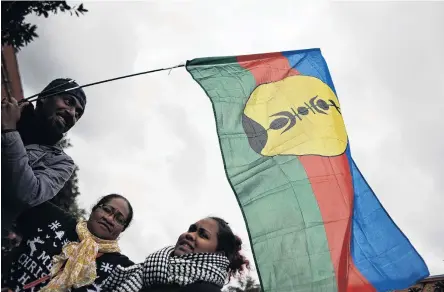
51, 132
36, 129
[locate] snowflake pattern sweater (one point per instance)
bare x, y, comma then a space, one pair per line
45, 230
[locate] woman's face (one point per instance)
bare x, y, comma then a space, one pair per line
106, 221
201, 237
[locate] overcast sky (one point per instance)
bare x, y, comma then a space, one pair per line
153, 138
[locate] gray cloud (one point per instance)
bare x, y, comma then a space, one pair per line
192, 152
400, 57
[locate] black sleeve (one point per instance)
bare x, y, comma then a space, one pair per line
124, 261
200, 287
116, 259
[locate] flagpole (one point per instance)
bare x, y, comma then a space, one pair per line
41, 95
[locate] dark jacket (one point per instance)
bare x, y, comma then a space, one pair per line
195, 287
31, 175
46, 229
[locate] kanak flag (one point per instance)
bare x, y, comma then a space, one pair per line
314, 222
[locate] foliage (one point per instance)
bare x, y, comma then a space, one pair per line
246, 284
439, 286
67, 197
18, 33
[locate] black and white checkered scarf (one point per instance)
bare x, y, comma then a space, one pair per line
162, 268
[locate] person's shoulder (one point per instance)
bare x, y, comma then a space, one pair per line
65, 155
117, 259
45, 212
48, 154
55, 211
201, 287
58, 151
40, 211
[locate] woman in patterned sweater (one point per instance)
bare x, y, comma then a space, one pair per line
203, 259
60, 253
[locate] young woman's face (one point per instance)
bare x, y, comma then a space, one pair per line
201, 237
108, 220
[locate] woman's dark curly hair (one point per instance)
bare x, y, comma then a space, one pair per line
231, 245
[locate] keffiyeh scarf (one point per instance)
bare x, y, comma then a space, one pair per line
162, 268
76, 266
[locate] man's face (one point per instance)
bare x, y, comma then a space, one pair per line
60, 113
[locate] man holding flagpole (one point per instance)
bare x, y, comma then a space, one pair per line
34, 167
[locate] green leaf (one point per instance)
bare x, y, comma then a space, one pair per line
16, 32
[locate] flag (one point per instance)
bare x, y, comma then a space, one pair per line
314, 222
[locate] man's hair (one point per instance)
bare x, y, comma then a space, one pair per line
61, 84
